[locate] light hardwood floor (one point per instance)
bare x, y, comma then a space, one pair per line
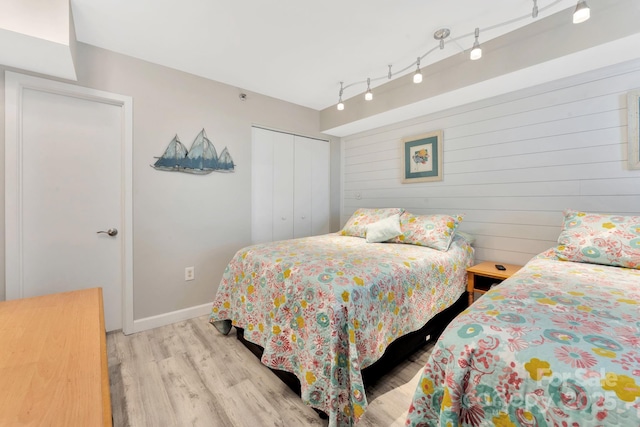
187, 374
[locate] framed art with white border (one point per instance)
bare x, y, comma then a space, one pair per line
633, 126
422, 158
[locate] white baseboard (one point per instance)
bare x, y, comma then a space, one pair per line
171, 317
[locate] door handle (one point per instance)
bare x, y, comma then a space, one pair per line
111, 232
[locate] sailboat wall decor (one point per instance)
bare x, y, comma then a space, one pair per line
201, 159
173, 156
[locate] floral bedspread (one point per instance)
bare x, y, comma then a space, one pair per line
557, 344
325, 307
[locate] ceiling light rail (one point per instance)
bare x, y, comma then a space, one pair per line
581, 14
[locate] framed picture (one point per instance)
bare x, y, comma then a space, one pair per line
633, 126
422, 158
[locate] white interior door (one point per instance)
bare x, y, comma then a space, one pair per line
69, 185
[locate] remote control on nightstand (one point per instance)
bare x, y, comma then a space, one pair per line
500, 267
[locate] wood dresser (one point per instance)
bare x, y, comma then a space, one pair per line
53, 361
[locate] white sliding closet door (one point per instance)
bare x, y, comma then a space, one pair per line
283, 169
303, 186
261, 185
289, 186
320, 209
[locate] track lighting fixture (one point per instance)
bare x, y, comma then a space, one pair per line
340, 103
476, 51
417, 77
582, 12
368, 96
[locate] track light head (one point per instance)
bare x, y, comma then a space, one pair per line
340, 105
582, 12
476, 51
417, 76
368, 95
534, 12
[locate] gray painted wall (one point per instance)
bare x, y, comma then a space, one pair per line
185, 220
512, 163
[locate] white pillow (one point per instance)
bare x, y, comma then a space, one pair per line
384, 229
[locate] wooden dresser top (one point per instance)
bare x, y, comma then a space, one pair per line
53, 367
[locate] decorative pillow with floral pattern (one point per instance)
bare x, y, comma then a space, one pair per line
600, 239
357, 224
434, 231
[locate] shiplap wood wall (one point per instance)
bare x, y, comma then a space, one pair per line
512, 163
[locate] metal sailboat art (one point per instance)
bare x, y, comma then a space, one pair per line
225, 162
173, 156
201, 159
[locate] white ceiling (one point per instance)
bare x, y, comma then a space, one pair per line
297, 51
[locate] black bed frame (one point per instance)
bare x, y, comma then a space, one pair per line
396, 352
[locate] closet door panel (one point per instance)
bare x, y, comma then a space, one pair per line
283, 167
320, 170
303, 188
261, 186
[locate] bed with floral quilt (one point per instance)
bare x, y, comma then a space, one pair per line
326, 307
556, 344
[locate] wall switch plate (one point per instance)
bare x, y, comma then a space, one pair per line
189, 273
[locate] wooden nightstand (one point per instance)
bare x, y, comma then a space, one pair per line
482, 276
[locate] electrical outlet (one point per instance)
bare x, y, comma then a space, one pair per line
189, 273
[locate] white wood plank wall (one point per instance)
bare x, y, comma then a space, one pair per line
512, 163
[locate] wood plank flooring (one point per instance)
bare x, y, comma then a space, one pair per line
187, 374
